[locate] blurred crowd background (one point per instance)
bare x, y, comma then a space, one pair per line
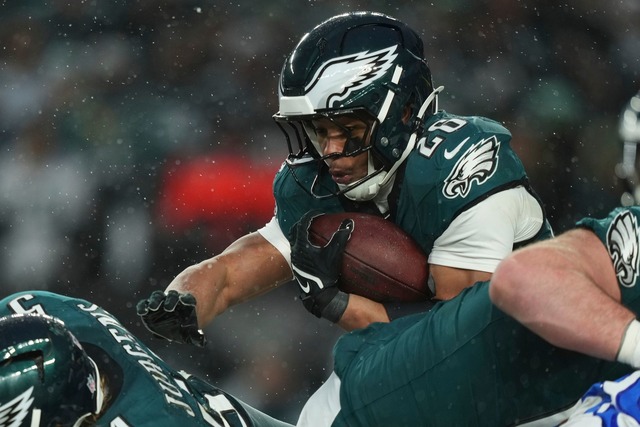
136, 139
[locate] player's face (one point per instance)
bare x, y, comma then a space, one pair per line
332, 137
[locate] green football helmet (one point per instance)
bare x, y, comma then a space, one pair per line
362, 64
627, 170
46, 378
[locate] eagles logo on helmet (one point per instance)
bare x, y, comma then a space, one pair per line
367, 65
40, 358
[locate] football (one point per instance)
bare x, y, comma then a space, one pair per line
381, 262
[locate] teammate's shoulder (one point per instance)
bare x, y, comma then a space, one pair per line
627, 218
30, 294
32, 300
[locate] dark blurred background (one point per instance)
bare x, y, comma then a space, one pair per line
136, 139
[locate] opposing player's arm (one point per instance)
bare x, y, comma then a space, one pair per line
249, 267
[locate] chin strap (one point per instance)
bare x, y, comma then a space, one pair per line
99, 396
368, 191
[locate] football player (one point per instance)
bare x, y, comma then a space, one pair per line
67, 362
556, 316
470, 362
584, 276
361, 118
464, 362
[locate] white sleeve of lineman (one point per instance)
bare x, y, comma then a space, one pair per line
323, 405
479, 238
274, 235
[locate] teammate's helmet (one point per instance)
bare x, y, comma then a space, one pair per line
46, 378
363, 64
628, 169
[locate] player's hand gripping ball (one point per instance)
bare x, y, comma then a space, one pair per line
317, 268
380, 261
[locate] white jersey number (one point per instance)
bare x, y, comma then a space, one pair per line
16, 305
427, 148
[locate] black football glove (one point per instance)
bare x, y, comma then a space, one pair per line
316, 269
172, 316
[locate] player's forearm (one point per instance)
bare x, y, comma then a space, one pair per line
205, 282
218, 286
249, 267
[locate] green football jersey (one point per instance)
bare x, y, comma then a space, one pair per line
459, 162
466, 363
145, 390
619, 233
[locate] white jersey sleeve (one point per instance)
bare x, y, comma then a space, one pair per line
274, 235
479, 238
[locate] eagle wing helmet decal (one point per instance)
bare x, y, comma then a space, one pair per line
622, 243
338, 78
478, 163
13, 413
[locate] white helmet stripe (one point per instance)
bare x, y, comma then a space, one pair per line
35, 417
384, 110
412, 139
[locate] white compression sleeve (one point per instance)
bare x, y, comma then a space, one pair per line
629, 351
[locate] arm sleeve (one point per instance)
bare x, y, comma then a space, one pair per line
274, 235
480, 237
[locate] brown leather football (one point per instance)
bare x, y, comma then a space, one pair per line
381, 262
